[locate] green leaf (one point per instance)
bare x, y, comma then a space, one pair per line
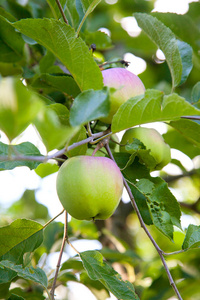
88, 7
46, 62
15, 297
61, 39
18, 106
192, 237
72, 263
164, 208
16, 233
141, 202
177, 141
99, 38
46, 169
96, 287
72, 13
4, 290
37, 275
20, 237
9, 69
11, 43
97, 269
133, 172
89, 105
189, 129
24, 294
25, 148
85, 229
63, 83
195, 97
79, 136
52, 233
28, 207
137, 148
53, 133
61, 111
166, 41
182, 26
186, 57
153, 106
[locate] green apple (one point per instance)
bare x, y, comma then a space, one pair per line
127, 85
153, 141
89, 187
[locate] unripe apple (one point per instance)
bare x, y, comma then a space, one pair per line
127, 85
89, 187
153, 140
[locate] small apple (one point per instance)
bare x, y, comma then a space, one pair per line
153, 140
89, 187
127, 85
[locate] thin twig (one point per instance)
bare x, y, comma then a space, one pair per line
61, 11
89, 129
191, 117
160, 252
90, 139
59, 259
53, 218
101, 138
73, 247
175, 252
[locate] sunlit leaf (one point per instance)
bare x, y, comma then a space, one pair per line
61, 39
46, 169
151, 107
18, 106
182, 26
79, 136
186, 57
16, 233
178, 141
195, 97
189, 129
53, 133
192, 237
16, 239
167, 42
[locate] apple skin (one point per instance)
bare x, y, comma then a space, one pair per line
127, 85
153, 140
89, 187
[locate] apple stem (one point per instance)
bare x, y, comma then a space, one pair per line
160, 251
45, 225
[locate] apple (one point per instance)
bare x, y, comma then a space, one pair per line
127, 85
153, 140
89, 187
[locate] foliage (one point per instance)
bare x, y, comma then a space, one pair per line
50, 79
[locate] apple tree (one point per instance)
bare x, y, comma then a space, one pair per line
64, 72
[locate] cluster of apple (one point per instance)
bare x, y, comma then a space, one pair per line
91, 187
